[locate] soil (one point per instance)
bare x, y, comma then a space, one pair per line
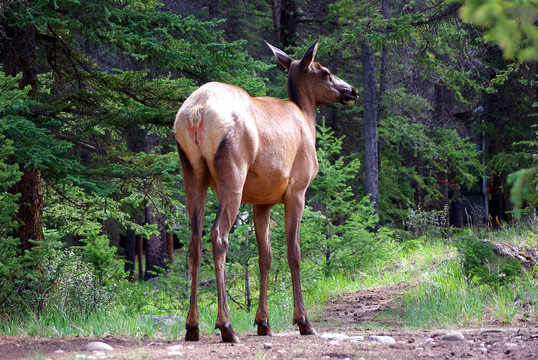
354, 315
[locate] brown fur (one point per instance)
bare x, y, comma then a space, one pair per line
252, 150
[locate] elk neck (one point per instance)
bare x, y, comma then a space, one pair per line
301, 97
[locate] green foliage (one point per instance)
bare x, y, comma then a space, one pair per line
9, 175
426, 224
525, 181
482, 266
434, 150
169, 294
51, 278
81, 287
112, 69
341, 231
511, 24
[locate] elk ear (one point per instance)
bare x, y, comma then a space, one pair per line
282, 58
309, 56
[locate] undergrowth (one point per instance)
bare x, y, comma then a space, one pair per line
452, 283
476, 287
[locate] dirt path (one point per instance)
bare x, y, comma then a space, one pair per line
346, 342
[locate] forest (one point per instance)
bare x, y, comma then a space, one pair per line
442, 143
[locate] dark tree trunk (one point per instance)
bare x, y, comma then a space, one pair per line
288, 22
156, 244
495, 195
456, 211
170, 244
214, 8
275, 9
443, 202
18, 55
30, 213
111, 228
130, 250
370, 127
419, 198
385, 11
140, 251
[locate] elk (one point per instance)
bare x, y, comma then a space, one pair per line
258, 150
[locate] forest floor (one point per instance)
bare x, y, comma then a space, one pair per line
345, 328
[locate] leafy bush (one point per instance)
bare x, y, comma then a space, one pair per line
482, 266
426, 223
167, 293
72, 282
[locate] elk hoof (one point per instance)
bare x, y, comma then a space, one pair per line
193, 333
263, 328
228, 334
308, 331
304, 326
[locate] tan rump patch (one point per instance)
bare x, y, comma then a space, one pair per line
196, 124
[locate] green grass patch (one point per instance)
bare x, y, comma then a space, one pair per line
448, 299
114, 322
441, 294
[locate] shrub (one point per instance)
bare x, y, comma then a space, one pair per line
426, 223
75, 281
482, 266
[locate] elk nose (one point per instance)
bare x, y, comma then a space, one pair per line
354, 93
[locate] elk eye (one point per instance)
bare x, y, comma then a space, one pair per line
326, 74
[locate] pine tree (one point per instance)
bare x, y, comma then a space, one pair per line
95, 68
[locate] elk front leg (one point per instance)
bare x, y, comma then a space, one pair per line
265, 257
293, 208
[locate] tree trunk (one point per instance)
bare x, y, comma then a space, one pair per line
156, 244
18, 55
30, 213
288, 22
443, 202
140, 251
370, 127
419, 198
495, 197
456, 211
111, 228
214, 8
170, 243
130, 251
275, 9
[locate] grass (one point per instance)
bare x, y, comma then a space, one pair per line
440, 296
100, 324
449, 298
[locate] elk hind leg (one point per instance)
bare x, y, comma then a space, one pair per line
229, 204
195, 193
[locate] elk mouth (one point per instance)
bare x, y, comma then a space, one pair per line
350, 97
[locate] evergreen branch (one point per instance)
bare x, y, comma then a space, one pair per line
125, 176
81, 143
68, 198
87, 146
